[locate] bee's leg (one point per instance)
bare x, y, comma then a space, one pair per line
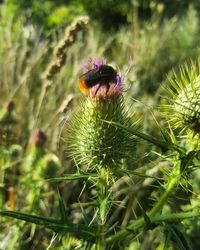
97, 89
107, 88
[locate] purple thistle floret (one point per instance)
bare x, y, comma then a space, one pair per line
119, 81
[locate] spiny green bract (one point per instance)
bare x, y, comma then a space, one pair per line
96, 143
188, 106
183, 110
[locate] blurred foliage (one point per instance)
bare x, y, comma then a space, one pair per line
156, 46
44, 13
110, 14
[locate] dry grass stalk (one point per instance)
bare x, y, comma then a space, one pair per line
59, 52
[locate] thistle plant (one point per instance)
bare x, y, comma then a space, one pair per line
93, 142
183, 108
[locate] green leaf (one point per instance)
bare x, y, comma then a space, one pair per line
136, 225
155, 141
187, 160
55, 225
63, 210
132, 173
148, 223
86, 218
169, 137
177, 237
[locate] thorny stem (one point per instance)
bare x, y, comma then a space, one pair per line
135, 225
156, 220
169, 188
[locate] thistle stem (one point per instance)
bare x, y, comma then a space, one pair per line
156, 220
135, 225
169, 188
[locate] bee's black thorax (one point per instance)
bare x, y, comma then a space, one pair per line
102, 75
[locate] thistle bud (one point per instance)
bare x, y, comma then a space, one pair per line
7, 114
49, 164
183, 109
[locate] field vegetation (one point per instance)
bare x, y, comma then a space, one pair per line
82, 172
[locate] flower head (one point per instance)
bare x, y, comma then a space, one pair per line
91, 141
100, 81
183, 109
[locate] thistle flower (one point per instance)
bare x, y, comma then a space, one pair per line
92, 141
183, 109
100, 81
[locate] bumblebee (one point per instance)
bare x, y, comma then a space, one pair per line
102, 75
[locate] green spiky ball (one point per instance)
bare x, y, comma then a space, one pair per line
182, 111
188, 106
183, 108
92, 141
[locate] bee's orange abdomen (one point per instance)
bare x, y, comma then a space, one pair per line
83, 86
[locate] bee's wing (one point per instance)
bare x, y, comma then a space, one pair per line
94, 74
89, 73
